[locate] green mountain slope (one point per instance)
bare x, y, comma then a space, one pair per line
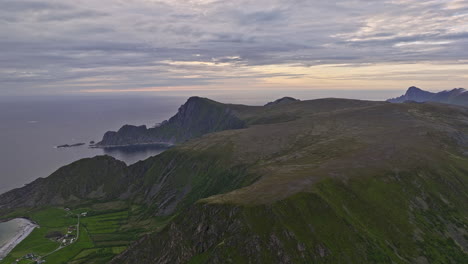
378, 183
320, 181
99, 178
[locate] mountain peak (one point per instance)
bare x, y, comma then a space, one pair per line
455, 96
413, 88
196, 117
283, 100
458, 90
196, 98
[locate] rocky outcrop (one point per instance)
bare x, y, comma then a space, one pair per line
198, 116
458, 96
126, 135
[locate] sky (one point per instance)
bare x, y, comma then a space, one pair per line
137, 46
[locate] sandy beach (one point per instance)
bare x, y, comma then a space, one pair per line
25, 228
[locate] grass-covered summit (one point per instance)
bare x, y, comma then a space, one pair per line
318, 181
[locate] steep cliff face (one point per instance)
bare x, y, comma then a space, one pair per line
198, 116
458, 96
126, 135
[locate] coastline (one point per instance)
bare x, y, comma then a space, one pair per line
26, 228
161, 144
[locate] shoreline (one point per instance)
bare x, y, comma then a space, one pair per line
161, 144
26, 229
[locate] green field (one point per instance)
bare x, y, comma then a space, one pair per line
101, 236
50, 219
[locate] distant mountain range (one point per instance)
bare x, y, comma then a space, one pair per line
457, 96
316, 181
200, 116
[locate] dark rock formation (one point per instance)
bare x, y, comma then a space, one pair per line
71, 146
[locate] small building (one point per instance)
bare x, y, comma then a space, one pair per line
84, 214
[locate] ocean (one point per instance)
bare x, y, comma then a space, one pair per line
31, 128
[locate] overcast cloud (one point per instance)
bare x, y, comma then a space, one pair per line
116, 45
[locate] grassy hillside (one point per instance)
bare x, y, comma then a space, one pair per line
99, 178
321, 181
373, 183
105, 231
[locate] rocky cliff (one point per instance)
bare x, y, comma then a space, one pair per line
198, 116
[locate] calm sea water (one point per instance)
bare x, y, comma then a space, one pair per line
30, 128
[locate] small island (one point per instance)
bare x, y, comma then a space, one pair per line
70, 146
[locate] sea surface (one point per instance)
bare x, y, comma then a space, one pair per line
31, 127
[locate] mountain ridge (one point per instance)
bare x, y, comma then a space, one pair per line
310, 189
322, 181
196, 117
283, 100
456, 96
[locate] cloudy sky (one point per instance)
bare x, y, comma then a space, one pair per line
89, 46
